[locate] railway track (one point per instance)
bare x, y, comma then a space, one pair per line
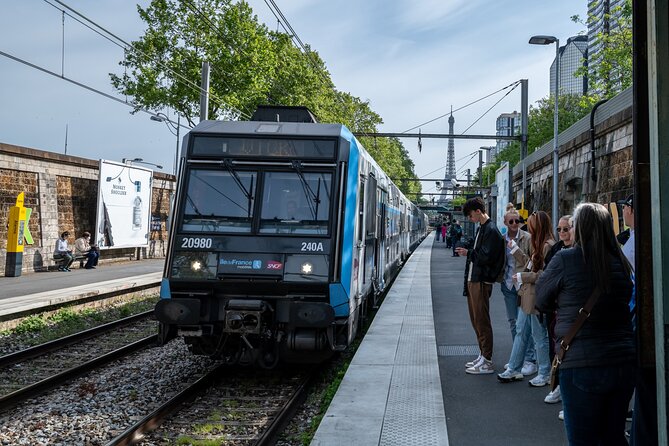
233, 408
29, 372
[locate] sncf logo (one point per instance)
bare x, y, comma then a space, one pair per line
273, 264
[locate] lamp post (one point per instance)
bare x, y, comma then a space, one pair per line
547, 40
139, 161
162, 117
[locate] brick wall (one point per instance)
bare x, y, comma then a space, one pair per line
62, 191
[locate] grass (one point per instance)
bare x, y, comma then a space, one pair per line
40, 328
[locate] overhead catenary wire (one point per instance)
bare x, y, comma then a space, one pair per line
513, 84
118, 41
486, 112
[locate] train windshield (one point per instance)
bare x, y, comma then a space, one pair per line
219, 201
296, 203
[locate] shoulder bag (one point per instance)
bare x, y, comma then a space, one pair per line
583, 314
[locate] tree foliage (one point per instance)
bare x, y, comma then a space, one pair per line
250, 66
612, 71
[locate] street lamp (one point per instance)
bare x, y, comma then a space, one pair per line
140, 161
162, 117
547, 40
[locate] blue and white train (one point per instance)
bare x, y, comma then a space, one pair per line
285, 232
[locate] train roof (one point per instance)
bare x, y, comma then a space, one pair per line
271, 128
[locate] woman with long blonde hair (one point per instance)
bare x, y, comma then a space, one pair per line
541, 240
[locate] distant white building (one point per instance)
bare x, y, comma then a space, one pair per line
573, 55
508, 124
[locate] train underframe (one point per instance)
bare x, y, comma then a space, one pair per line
254, 331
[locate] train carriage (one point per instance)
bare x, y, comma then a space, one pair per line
284, 232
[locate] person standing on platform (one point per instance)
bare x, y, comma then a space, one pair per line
486, 260
62, 252
438, 231
443, 232
455, 233
541, 242
510, 289
82, 247
597, 371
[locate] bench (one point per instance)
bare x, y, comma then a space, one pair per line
58, 260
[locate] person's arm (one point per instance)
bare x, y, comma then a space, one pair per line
550, 283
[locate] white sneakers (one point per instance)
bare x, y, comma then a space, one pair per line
553, 396
508, 376
529, 368
481, 367
561, 415
473, 363
539, 381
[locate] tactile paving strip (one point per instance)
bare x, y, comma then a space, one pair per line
458, 350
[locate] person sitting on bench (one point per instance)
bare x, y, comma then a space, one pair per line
83, 248
63, 254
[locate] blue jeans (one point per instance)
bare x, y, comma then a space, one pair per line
595, 404
511, 303
528, 329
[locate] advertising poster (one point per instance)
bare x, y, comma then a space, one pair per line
124, 204
502, 177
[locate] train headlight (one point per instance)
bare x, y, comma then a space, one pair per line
194, 265
307, 268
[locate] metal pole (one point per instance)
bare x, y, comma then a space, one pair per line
176, 153
204, 94
555, 134
524, 113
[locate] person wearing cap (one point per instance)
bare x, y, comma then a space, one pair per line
628, 218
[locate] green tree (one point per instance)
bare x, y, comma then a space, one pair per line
540, 127
250, 66
612, 71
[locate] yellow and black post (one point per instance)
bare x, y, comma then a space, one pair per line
16, 230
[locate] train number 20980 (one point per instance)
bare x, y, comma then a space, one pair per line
196, 242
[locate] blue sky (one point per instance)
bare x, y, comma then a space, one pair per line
412, 59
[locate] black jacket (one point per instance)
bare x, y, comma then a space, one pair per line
606, 337
488, 255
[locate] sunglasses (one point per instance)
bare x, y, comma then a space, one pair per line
512, 222
560, 229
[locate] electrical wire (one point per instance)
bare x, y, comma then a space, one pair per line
513, 84
486, 112
113, 38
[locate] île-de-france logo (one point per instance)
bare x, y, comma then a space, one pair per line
257, 264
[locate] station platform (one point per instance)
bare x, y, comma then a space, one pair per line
407, 385
30, 291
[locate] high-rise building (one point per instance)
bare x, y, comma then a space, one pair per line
508, 124
573, 55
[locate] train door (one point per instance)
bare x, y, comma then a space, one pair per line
371, 247
381, 242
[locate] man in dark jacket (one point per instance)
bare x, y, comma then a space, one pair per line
486, 260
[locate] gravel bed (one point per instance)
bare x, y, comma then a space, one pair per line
95, 408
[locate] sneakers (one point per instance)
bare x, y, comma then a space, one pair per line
508, 376
553, 396
473, 363
483, 367
539, 381
561, 415
529, 368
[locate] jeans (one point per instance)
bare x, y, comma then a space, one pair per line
595, 403
92, 257
511, 303
528, 327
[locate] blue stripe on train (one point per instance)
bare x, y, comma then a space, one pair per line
340, 292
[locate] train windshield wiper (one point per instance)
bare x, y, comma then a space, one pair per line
308, 192
247, 193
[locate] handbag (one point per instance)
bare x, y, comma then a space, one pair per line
583, 314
